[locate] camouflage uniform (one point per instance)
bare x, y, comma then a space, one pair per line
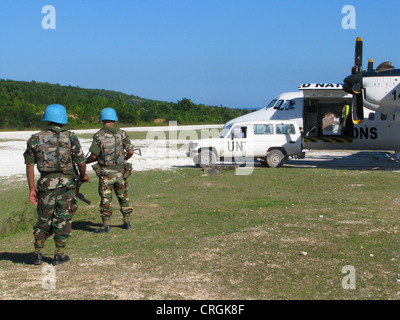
109, 145
54, 150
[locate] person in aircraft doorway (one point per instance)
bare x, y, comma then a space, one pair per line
346, 125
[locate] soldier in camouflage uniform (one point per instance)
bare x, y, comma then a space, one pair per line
108, 149
54, 150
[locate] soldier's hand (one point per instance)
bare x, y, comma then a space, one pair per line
33, 197
85, 178
129, 154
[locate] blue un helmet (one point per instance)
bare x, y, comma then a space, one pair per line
108, 114
55, 113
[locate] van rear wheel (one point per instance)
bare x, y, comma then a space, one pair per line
275, 158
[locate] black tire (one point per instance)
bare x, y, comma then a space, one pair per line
275, 158
207, 158
264, 162
196, 161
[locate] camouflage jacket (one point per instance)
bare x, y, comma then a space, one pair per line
54, 150
109, 145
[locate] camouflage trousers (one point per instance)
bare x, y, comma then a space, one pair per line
113, 180
55, 209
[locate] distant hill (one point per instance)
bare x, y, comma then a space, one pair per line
22, 104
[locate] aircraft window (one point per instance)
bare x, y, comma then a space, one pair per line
263, 129
278, 105
289, 105
371, 116
285, 129
383, 116
271, 104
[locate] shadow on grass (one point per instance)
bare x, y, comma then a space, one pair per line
22, 257
89, 226
27, 257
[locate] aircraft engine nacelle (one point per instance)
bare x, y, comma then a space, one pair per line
382, 91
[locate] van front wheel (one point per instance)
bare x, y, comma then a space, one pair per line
275, 158
207, 158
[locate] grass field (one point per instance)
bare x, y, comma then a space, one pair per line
282, 233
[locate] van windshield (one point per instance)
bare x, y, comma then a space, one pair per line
225, 130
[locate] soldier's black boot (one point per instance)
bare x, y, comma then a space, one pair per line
37, 255
59, 256
59, 259
127, 225
37, 258
104, 229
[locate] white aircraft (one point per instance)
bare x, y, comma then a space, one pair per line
371, 123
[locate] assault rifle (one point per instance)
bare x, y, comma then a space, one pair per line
137, 149
78, 182
139, 152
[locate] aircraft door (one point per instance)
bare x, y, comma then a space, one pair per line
310, 118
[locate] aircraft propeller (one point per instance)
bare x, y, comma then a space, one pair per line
353, 83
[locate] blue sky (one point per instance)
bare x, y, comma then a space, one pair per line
235, 53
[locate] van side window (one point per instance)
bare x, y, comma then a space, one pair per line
239, 132
285, 129
263, 129
243, 132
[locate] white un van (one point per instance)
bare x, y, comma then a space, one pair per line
271, 142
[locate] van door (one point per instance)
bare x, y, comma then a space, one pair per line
237, 145
263, 137
288, 137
